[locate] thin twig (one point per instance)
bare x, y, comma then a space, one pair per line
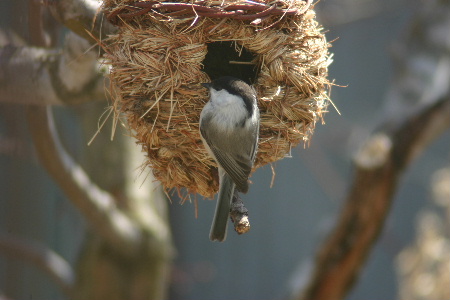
236, 62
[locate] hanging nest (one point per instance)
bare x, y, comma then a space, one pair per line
157, 60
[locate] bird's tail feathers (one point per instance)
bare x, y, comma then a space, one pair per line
220, 222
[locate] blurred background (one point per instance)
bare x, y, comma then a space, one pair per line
276, 257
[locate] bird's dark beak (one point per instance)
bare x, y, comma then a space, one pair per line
206, 85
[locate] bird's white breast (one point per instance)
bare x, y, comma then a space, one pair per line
228, 109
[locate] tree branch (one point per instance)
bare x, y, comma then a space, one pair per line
418, 110
379, 165
30, 75
83, 17
96, 205
39, 255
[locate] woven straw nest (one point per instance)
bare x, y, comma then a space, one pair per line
157, 66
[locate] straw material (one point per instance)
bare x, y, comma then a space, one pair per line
157, 70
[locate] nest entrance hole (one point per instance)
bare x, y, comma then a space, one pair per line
226, 58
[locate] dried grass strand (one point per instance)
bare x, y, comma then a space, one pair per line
155, 84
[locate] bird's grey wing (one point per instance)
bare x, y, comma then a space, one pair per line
237, 166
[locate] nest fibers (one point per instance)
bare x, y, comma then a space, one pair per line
156, 60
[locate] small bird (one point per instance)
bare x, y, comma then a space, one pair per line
229, 127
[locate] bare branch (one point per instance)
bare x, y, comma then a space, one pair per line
97, 206
39, 76
379, 166
42, 257
418, 111
83, 17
